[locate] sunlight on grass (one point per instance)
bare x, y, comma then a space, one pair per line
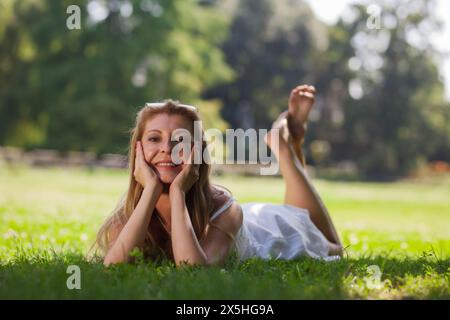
49, 218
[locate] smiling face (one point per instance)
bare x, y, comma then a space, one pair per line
157, 138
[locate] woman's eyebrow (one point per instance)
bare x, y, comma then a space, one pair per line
153, 130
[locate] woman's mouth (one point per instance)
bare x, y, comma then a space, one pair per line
166, 165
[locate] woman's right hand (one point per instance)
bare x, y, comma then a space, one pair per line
143, 173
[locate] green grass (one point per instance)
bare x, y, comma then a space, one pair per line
49, 218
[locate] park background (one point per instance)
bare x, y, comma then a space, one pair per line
377, 147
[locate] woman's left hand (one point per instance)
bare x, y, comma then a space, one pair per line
188, 176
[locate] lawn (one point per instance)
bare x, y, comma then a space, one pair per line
397, 237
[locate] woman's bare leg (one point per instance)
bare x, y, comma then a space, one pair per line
299, 190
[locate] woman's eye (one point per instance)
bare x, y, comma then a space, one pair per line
152, 139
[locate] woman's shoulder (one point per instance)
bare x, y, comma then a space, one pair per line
227, 212
220, 196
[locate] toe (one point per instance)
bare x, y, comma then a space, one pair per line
307, 94
311, 89
302, 87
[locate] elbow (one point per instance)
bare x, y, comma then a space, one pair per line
197, 261
180, 263
215, 261
110, 259
107, 260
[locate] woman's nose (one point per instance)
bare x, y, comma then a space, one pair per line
167, 146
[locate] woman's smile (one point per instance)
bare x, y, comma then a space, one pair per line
167, 165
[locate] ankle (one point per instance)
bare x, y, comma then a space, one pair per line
287, 156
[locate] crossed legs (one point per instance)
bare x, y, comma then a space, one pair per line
299, 190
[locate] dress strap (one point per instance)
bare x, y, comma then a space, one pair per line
224, 207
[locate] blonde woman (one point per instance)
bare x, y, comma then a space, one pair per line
175, 211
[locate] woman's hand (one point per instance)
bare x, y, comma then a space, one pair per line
188, 176
143, 173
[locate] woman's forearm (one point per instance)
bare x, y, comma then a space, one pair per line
133, 233
185, 244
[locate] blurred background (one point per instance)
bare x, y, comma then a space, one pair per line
381, 69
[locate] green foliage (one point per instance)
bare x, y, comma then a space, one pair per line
397, 121
270, 46
401, 118
36, 274
79, 89
379, 101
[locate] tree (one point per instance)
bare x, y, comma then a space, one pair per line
395, 115
79, 89
271, 46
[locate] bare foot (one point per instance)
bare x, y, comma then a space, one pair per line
335, 249
301, 101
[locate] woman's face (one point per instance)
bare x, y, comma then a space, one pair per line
157, 138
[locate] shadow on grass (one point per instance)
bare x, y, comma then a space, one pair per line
43, 275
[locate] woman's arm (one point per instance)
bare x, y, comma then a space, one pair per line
218, 241
221, 234
185, 245
133, 233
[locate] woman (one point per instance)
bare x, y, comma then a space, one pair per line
174, 210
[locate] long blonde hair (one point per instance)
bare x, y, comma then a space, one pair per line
199, 199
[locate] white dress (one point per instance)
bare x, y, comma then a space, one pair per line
276, 231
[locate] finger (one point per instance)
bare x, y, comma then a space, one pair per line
139, 154
136, 160
151, 156
195, 155
200, 154
191, 157
194, 167
185, 156
136, 157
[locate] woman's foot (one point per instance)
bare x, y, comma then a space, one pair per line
335, 249
292, 123
300, 103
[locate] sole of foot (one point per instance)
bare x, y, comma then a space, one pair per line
301, 101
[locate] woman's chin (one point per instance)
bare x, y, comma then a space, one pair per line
167, 178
